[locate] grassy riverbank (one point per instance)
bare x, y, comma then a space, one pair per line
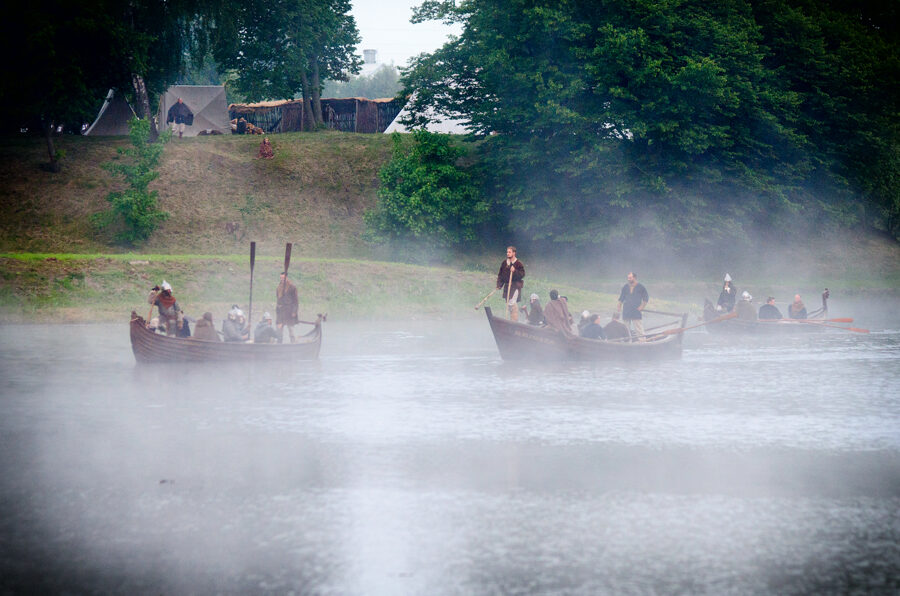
55, 267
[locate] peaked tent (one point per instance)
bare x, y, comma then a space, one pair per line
112, 120
207, 102
439, 124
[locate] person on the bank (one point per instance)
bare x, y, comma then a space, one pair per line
744, 308
632, 300
265, 150
615, 329
234, 328
179, 116
556, 314
170, 313
726, 296
287, 307
592, 330
205, 329
265, 333
534, 311
511, 269
769, 310
797, 310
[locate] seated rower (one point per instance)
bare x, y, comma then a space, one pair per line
769, 310
265, 333
616, 329
205, 329
744, 308
593, 330
797, 310
234, 327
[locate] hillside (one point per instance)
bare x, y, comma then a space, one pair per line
314, 194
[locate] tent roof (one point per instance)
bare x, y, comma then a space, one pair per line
207, 102
113, 117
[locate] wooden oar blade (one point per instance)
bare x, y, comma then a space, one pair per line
287, 256
252, 256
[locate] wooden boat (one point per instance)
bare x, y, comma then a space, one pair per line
815, 323
519, 341
151, 347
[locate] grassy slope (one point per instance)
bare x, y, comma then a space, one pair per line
313, 194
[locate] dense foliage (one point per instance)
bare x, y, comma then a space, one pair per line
135, 212
678, 122
426, 195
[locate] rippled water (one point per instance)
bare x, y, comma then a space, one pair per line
411, 460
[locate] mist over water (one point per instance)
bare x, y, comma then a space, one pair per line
410, 459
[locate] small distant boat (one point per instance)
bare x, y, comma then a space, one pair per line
519, 341
151, 347
816, 322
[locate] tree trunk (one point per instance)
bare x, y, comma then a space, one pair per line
51, 150
316, 92
142, 99
309, 122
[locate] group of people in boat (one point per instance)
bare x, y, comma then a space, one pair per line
633, 298
172, 321
729, 302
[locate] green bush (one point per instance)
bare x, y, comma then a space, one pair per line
426, 195
135, 212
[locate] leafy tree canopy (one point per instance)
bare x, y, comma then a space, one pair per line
673, 120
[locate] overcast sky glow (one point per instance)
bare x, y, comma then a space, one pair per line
384, 26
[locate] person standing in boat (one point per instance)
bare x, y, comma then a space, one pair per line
170, 313
726, 296
797, 310
769, 310
287, 307
511, 269
557, 316
632, 300
745, 310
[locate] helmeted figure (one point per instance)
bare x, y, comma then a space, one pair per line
170, 313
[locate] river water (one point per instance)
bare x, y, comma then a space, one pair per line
410, 459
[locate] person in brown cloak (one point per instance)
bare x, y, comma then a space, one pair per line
204, 329
286, 307
556, 315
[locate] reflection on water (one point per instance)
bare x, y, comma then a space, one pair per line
411, 459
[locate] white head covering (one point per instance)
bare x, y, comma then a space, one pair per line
746, 295
534, 296
727, 277
585, 314
267, 316
165, 285
235, 312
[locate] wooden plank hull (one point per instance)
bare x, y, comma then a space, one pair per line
518, 341
151, 347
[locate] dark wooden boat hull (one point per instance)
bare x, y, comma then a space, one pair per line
518, 341
151, 347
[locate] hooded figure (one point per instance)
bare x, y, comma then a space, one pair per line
205, 330
233, 327
727, 296
745, 309
265, 332
534, 311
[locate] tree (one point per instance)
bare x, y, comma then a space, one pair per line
135, 212
284, 48
383, 82
426, 195
674, 121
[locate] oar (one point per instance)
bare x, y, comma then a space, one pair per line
730, 315
252, 262
477, 306
854, 329
509, 291
287, 257
841, 320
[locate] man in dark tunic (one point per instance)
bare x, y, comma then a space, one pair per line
632, 300
287, 307
769, 310
180, 116
511, 269
592, 330
557, 316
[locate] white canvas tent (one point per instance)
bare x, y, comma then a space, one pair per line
439, 124
112, 120
207, 102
